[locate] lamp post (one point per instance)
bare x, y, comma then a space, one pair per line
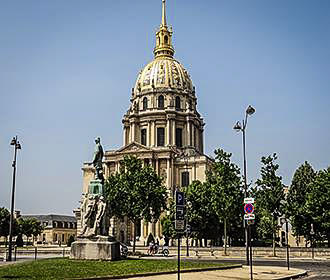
312, 232
14, 142
241, 127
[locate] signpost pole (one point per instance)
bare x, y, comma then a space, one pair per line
287, 243
250, 249
179, 221
179, 257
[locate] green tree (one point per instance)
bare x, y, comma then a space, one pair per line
224, 183
136, 192
269, 198
4, 222
295, 207
200, 214
29, 227
167, 221
318, 204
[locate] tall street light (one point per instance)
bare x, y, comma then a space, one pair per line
241, 127
14, 142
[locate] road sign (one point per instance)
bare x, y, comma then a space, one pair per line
179, 224
250, 222
249, 208
249, 217
179, 214
248, 200
179, 198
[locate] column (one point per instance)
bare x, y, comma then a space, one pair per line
157, 233
168, 173
142, 230
173, 132
194, 170
150, 228
133, 132
124, 136
188, 133
168, 126
149, 134
155, 133
152, 134
157, 166
193, 132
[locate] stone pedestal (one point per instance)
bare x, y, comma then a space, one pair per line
95, 248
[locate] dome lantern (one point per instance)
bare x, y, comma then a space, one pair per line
164, 37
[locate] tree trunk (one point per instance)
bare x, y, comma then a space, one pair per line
274, 236
225, 233
134, 236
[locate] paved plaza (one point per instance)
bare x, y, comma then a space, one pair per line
260, 272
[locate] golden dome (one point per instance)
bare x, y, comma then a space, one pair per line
163, 72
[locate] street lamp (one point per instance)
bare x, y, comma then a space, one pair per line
14, 142
241, 127
312, 232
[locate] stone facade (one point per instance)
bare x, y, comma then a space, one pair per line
162, 127
57, 228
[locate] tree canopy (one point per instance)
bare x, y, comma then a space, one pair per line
318, 204
295, 208
269, 198
226, 195
136, 192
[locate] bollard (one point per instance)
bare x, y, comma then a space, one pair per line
63, 252
15, 252
35, 253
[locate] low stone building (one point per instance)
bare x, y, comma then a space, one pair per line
57, 228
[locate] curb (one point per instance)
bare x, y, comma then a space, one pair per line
295, 276
158, 273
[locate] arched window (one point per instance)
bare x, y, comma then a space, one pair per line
190, 104
145, 103
177, 103
166, 39
161, 102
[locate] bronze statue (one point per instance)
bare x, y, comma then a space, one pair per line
97, 160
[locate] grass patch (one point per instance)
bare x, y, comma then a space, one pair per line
64, 268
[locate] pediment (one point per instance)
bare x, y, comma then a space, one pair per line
133, 147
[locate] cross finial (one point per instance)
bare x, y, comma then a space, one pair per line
164, 13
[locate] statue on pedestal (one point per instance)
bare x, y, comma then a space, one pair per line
94, 214
94, 242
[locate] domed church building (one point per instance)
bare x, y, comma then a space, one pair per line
162, 127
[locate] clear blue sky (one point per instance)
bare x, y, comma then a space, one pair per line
67, 69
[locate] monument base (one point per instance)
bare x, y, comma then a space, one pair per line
95, 248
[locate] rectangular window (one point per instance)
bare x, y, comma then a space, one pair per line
144, 137
178, 137
185, 179
160, 136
